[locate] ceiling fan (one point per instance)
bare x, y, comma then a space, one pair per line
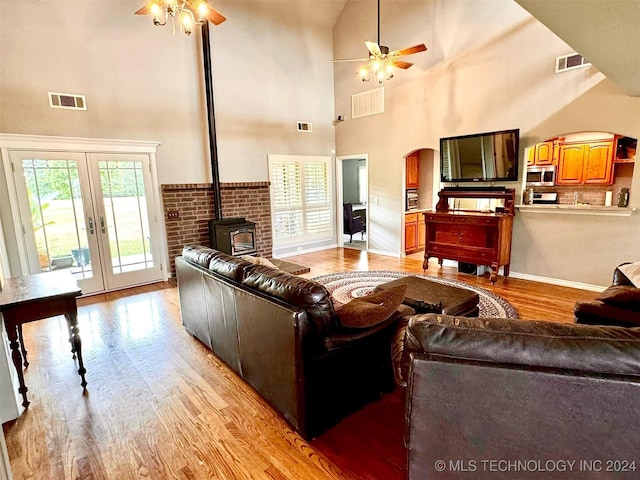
187, 11
381, 61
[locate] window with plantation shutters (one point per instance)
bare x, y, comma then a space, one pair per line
300, 198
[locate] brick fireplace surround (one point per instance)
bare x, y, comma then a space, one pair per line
188, 207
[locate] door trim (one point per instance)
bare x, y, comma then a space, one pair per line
340, 197
13, 142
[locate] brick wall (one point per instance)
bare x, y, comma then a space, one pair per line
189, 207
250, 200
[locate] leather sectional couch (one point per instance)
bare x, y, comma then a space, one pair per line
495, 398
282, 335
617, 305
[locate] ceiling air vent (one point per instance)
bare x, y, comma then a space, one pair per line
70, 101
570, 62
305, 127
367, 103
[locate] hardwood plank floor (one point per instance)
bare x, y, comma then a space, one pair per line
160, 405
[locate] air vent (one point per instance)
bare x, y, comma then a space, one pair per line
70, 101
570, 62
367, 103
305, 127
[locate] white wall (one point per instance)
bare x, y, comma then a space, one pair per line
272, 68
489, 66
141, 82
271, 64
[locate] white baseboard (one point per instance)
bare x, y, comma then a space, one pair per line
558, 281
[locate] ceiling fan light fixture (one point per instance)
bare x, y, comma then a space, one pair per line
381, 61
187, 22
188, 13
379, 68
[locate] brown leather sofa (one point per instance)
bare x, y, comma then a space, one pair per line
617, 305
280, 333
501, 399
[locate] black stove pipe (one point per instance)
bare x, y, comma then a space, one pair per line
211, 117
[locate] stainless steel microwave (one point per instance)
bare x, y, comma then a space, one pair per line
541, 176
412, 199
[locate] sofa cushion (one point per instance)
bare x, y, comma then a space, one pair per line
632, 272
228, 266
199, 255
259, 261
363, 312
301, 292
621, 296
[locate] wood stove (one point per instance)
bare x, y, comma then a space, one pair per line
235, 236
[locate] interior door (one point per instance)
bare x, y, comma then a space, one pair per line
58, 215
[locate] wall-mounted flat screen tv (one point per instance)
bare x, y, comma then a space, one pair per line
482, 157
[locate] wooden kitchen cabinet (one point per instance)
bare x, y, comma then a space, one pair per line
411, 243
471, 236
413, 171
598, 168
585, 164
541, 154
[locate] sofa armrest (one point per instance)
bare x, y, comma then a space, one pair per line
530, 344
347, 336
595, 312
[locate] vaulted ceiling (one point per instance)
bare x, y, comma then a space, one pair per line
605, 32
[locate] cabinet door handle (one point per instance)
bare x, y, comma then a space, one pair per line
90, 221
102, 224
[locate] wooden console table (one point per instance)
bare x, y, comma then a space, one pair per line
34, 297
471, 236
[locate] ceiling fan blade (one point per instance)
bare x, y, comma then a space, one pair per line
401, 64
211, 14
374, 48
409, 50
350, 60
146, 10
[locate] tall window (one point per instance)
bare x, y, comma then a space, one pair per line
300, 199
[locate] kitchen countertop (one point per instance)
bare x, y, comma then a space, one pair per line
418, 210
580, 209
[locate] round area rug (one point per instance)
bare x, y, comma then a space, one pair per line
345, 286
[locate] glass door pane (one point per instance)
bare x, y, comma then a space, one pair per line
58, 216
125, 207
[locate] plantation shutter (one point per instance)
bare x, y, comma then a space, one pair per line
317, 197
300, 198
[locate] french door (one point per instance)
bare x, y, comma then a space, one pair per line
90, 213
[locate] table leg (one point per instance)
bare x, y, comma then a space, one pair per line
12, 333
24, 350
493, 276
73, 349
76, 343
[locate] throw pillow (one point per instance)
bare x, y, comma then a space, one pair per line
624, 296
259, 261
367, 311
632, 272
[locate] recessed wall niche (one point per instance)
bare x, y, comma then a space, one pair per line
589, 163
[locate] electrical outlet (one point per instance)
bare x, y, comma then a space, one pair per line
173, 214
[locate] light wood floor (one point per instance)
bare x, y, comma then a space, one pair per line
160, 405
